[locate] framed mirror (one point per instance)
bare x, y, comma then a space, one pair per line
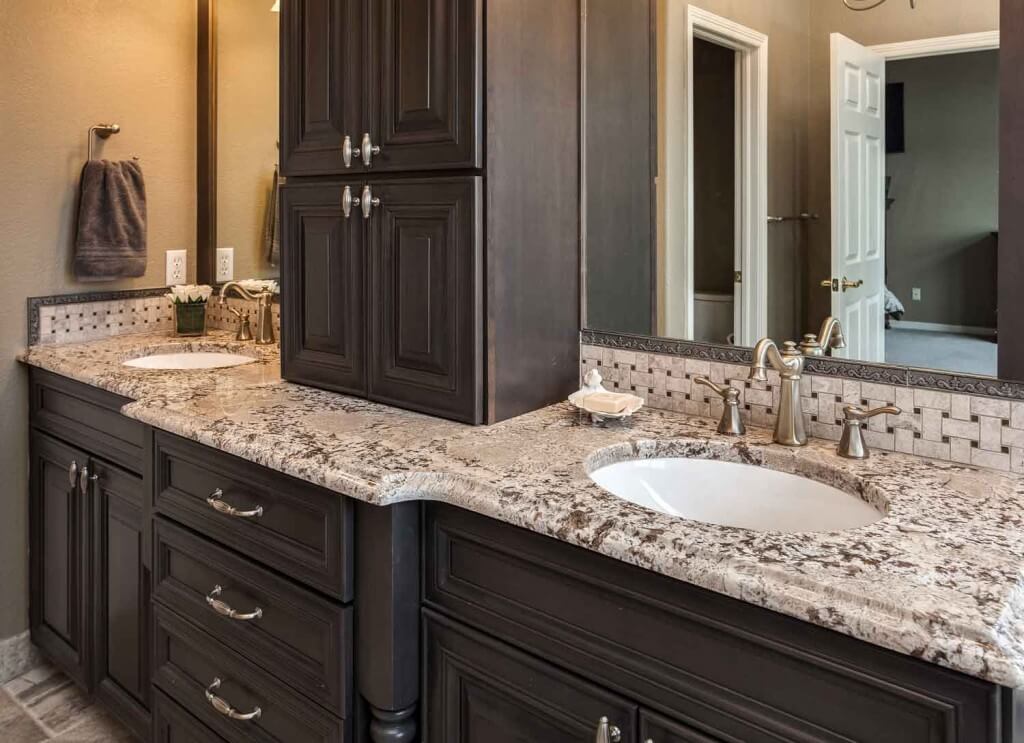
751, 168
237, 144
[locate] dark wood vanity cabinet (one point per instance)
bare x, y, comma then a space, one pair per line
403, 75
89, 606
452, 287
387, 307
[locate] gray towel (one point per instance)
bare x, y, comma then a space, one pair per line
271, 238
111, 239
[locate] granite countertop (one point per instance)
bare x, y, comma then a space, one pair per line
939, 578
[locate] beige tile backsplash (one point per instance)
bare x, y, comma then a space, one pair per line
969, 429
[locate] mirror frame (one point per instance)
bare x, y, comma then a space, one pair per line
1010, 381
206, 142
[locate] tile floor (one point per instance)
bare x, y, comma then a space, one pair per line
44, 705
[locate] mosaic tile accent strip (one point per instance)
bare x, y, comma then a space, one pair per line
75, 318
967, 429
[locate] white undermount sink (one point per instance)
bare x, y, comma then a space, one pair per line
190, 360
730, 494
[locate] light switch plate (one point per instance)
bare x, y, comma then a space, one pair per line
916, 293
225, 264
177, 264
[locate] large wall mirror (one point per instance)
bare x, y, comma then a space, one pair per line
752, 167
238, 139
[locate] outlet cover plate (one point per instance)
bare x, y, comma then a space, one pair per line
916, 294
225, 264
177, 265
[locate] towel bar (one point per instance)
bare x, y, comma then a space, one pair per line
103, 131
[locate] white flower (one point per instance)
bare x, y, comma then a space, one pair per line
190, 293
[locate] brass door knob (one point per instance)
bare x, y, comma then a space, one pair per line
836, 284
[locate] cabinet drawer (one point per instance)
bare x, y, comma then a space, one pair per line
481, 691
87, 417
292, 526
657, 729
172, 724
188, 664
298, 636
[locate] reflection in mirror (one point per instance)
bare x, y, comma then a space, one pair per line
751, 168
245, 38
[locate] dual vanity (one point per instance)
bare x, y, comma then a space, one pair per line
219, 555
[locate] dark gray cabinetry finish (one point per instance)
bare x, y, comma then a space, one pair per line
480, 690
59, 552
404, 74
452, 287
323, 338
715, 666
121, 593
172, 724
89, 543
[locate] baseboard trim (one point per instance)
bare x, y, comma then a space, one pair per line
17, 655
935, 327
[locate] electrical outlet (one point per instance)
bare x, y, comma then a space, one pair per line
916, 294
176, 267
225, 264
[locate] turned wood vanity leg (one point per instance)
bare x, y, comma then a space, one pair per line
388, 618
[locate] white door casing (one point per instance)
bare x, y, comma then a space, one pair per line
858, 197
751, 170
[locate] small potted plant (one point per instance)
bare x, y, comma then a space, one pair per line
190, 308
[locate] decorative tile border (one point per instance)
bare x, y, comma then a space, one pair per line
983, 431
75, 318
879, 373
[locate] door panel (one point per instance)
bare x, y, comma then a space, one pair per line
858, 197
480, 691
425, 296
322, 76
59, 556
121, 585
323, 306
426, 102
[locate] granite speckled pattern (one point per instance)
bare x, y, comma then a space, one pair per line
939, 578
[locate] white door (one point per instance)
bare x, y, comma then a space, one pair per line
858, 197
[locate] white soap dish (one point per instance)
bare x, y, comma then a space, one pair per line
591, 385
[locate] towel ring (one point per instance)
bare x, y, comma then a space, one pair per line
103, 131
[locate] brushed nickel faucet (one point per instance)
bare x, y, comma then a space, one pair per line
852, 444
731, 423
789, 363
264, 313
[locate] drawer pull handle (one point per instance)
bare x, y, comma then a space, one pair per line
226, 611
607, 733
73, 473
222, 706
227, 509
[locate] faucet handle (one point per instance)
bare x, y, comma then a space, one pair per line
852, 444
731, 423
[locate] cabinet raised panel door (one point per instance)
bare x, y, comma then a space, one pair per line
322, 82
426, 84
59, 560
480, 691
425, 296
323, 274
121, 591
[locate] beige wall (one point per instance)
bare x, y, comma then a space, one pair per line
64, 66
247, 108
893, 22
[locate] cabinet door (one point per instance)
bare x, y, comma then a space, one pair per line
426, 98
425, 296
59, 556
323, 310
322, 83
656, 729
121, 595
481, 691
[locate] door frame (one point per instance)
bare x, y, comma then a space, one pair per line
939, 46
751, 47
